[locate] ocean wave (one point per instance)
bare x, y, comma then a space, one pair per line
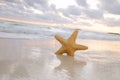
36, 31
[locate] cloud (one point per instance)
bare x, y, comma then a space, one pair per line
30, 9
11, 1
24, 5
111, 6
112, 22
38, 4
71, 10
51, 17
93, 14
82, 3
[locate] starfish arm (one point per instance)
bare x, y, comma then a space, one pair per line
70, 53
60, 51
60, 39
73, 36
80, 47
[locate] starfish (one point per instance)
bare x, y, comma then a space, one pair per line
69, 46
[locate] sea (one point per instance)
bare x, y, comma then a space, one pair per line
20, 30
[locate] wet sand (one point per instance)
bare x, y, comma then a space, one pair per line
35, 60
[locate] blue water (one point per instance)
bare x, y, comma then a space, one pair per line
29, 31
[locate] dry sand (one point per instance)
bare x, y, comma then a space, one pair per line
35, 60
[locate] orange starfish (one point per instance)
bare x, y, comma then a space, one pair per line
69, 46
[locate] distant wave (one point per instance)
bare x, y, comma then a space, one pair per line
22, 30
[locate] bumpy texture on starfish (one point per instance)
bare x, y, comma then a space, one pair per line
69, 46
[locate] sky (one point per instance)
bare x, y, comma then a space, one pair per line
99, 15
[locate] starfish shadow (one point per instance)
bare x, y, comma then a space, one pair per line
69, 64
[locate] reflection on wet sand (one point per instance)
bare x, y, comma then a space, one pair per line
98, 56
69, 65
101, 71
12, 69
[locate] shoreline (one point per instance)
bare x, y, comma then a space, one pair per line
95, 45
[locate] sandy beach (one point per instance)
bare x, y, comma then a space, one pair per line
35, 60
